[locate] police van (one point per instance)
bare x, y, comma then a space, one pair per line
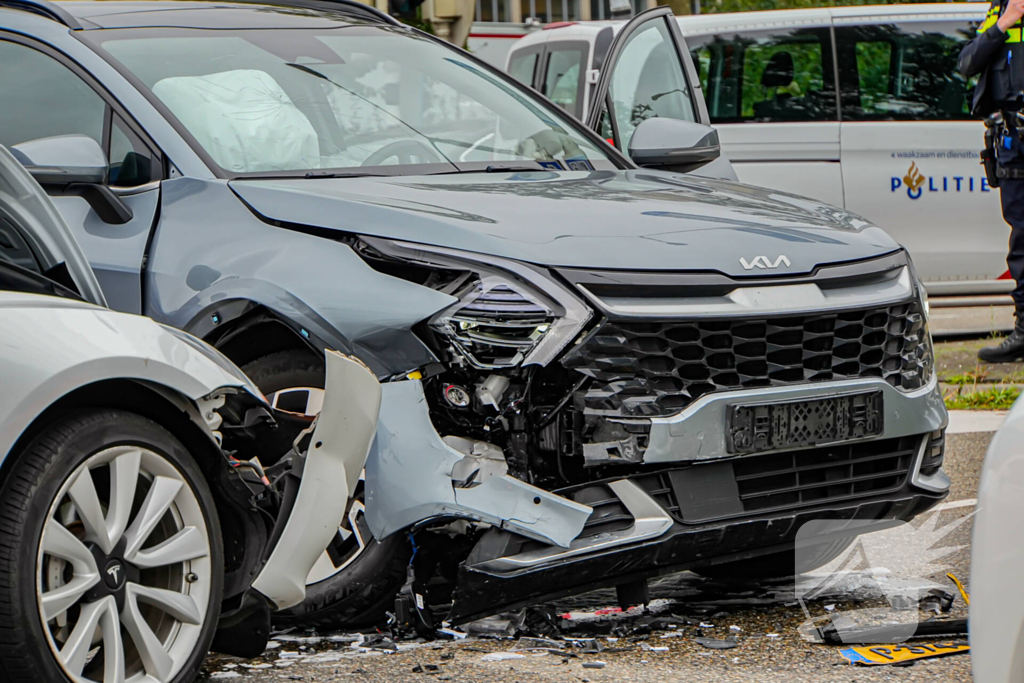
860, 107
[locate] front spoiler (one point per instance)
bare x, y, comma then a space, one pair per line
480, 593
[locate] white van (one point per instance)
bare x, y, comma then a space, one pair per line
860, 107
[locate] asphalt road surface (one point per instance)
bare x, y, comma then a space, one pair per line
764, 619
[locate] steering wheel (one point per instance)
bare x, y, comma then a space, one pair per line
405, 151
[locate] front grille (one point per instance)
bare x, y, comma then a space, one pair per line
647, 369
801, 478
758, 484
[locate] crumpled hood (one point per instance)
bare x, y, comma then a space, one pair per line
631, 220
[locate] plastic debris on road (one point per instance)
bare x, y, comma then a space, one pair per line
717, 644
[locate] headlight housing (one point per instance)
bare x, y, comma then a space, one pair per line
917, 357
507, 313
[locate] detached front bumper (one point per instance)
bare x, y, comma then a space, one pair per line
337, 453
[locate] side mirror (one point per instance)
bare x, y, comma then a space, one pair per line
74, 165
673, 145
63, 159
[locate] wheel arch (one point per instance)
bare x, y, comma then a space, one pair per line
244, 330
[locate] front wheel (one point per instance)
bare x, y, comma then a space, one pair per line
111, 560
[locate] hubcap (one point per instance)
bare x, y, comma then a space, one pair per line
353, 536
124, 570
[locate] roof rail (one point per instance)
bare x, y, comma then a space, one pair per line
45, 9
354, 6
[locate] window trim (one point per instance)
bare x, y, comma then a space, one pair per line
537, 50
113, 106
583, 48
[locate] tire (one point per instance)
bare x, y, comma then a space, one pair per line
61, 527
777, 565
372, 573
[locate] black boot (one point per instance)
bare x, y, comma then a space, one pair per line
1011, 349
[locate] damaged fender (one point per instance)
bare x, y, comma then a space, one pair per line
337, 452
409, 479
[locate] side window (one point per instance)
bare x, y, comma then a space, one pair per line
51, 100
43, 98
563, 77
522, 66
131, 162
14, 249
904, 71
647, 80
767, 75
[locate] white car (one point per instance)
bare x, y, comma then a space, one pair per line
150, 500
858, 107
997, 556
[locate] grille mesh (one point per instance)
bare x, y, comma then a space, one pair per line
770, 483
648, 369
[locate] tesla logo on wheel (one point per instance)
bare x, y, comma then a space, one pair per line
113, 570
764, 262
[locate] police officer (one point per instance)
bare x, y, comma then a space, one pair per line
997, 55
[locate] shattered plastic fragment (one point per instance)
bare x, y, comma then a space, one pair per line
527, 643
501, 656
716, 644
498, 626
451, 633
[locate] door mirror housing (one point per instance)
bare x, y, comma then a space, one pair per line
73, 165
674, 145
63, 159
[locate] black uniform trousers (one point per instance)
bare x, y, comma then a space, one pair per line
1010, 154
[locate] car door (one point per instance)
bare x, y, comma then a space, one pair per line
648, 73
910, 146
771, 94
47, 95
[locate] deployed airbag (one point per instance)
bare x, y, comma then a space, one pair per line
244, 119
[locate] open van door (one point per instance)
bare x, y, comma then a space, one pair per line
648, 74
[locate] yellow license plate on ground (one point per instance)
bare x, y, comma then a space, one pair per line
875, 655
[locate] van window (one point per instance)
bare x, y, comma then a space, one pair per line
647, 81
767, 75
563, 82
521, 67
904, 71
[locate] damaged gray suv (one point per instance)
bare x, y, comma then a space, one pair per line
593, 372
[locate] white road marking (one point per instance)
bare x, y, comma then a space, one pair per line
952, 505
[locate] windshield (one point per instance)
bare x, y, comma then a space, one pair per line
352, 99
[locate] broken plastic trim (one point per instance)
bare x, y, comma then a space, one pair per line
650, 521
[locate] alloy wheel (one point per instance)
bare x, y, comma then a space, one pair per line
124, 569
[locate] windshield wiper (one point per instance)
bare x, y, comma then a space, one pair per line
496, 168
343, 174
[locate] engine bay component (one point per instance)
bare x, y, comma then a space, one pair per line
456, 396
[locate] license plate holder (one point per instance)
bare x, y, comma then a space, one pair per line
774, 425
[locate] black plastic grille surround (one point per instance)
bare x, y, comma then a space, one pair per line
758, 484
648, 369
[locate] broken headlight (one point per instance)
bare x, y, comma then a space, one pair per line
507, 313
